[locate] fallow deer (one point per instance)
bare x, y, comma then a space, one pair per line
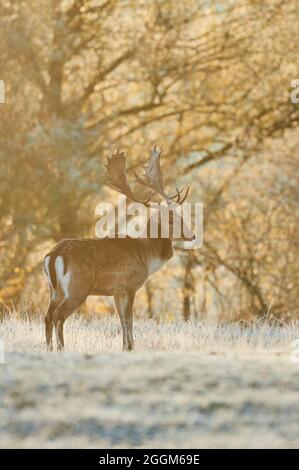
79, 267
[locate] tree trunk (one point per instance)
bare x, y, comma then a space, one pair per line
188, 289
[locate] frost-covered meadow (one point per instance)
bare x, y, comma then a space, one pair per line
190, 385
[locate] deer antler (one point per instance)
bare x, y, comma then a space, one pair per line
116, 177
152, 178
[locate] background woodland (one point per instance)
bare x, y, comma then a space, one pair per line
211, 80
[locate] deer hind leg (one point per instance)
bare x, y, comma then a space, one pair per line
52, 306
49, 324
124, 305
62, 312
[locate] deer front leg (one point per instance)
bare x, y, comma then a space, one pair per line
124, 305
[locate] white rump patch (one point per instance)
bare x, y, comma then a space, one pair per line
63, 279
46, 264
47, 261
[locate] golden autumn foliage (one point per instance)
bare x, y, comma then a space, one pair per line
212, 81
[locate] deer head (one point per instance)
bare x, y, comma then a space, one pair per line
116, 178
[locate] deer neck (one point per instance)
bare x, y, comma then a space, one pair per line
159, 251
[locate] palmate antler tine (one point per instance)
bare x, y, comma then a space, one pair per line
152, 177
185, 196
149, 197
116, 177
116, 173
177, 196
